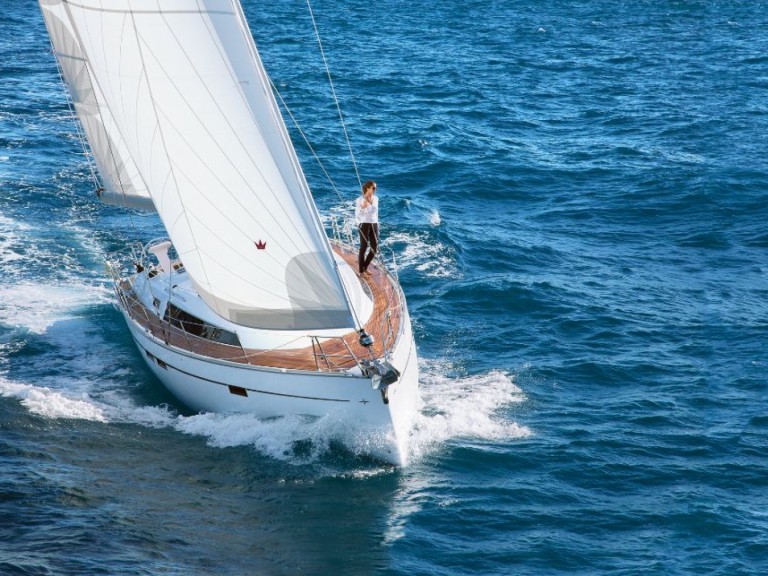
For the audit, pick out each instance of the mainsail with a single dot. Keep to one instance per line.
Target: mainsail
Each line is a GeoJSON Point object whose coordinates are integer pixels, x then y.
{"type": "Point", "coordinates": [175, 92]}
{"type": "Point", "coordinates": [122, 182]}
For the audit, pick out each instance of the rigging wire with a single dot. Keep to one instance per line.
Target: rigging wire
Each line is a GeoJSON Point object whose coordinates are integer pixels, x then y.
{"type": "Point", "coordinates": [359, 324]}
{"type": "Point", "coordinates": [88, 154]}
{"type": "Point", "coordinates": [306, 140]}
{"type": "Point", "coordinates": [377, 256]}
{"type": "Point", "coordinates": [335, 98]}
{"type": "Point", "coordinates": [78, 127]}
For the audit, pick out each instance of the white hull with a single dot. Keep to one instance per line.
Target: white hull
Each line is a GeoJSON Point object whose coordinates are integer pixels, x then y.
{"type": "Point", "coordinates": [204, 384]}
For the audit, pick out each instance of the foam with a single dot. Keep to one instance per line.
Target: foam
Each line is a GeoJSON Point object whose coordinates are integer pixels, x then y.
{"type": "Point", "coordinates": [75, 400]}
{"type": "Point", "coordinates": [450, 409]}
{"type": "Point", "coordinates": [86, 245]}
{"type": "Point", "coordinates": [52, 403]}
{"type": "Point", "coordinates": [38, 306]}
{"type": "Point", "coordinates": [10, 240]}
{"type": "Point", "coordinates": [467, 407]}
{"type": "Point", "coordinates": [292, 438]}
{"type": "Point", "coordinates": [434, 218]}
{"type": "Point", "coordinates": [25, 302]}
{"type": "Point", "coordinates": [121, 409]}
{"type": "Point", "coordinates": [431, 258]}
{"type": "Point", "coordinates": [275, 437]}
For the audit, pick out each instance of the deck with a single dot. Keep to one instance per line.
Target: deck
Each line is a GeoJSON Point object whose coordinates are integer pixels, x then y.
{"type": "Point", "coordinates": [324, 355]}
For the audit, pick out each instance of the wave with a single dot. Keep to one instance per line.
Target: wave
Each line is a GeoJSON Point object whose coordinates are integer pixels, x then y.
{"type": "Point", "coordinates": [451, 409]}
{"type": "Point", "coordinates": [465, 407]}
{"type": "Point", "coordinates": [52, 403]}
{"type": "Point", "coordinates": [421, 252]}
{"type": "Point", "coordinates": [36, 307]}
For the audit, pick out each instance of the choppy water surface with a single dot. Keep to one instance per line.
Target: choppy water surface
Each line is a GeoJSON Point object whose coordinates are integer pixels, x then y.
{"type": "Point", "coordinates": [576, 197]}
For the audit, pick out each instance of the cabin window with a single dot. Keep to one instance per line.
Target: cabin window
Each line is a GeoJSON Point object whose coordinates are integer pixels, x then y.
{"type": "Point", "coordinates": [193, 325]}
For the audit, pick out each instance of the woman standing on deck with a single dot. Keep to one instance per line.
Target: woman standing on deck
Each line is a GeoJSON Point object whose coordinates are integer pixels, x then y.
{"type": "Point", "coordinates": [367, 218]}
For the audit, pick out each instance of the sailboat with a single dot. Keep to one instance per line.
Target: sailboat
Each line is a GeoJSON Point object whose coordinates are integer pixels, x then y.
{"type": "Point", "coordinates": [249, 304]}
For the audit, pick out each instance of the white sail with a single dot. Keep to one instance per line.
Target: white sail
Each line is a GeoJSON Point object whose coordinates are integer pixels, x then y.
{"type": "Point", "coordinates": [122, 182]}
{"type": "Point", "coordinates": [182, 84]}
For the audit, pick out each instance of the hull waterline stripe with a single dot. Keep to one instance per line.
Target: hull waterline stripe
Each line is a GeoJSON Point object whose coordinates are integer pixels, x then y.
{"type": "Point", "coordinates": [154, 358]}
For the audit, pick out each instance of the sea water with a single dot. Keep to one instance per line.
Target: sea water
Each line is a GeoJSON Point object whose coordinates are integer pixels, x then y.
{"type": "Point", "coordinates": [575, 195]}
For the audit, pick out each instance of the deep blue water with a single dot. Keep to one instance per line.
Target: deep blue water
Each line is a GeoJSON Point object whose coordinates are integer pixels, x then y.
{"type": "Point", "coordinates": [577, 196]}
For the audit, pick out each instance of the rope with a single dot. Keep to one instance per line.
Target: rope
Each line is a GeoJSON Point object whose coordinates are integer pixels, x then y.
{"type": "Point", "coordinates": [306, 140]}
{"type": "Point", "coordinates": [360, 325]}
{"type": "Point", "coordinates": [79, 126]}
{"type": "Point", "coordinates": [335, 98]}
{"type": "Point", "coordinates": [341, 119]}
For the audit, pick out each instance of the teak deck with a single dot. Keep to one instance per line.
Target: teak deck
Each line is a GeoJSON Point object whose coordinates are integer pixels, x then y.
{"type": "Point", "coordinates": [327, 355]}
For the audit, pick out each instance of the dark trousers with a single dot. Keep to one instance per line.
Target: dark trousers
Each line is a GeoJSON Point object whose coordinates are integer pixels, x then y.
{"type": "Point", "coordinates": [369, 235]}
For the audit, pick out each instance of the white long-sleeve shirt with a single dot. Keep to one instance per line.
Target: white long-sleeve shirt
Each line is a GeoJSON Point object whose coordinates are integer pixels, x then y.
{"type": "Point", "coordinates": [369, 214]}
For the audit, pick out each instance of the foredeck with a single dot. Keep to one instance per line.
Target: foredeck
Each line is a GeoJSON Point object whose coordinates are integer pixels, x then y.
{"type": "Point", "coordinates": [325, 354]}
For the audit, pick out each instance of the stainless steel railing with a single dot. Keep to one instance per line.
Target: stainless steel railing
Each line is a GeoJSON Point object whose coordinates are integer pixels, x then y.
{"type": "Point", "coordinates": [184, 334]}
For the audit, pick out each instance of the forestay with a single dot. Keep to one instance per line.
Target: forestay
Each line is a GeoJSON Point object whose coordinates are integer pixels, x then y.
{"type": "Point", "coordinates": [182, 94]}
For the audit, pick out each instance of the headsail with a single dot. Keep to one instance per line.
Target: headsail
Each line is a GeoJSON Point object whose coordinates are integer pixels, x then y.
{"type": "Point", "coordinates": [183, 86]}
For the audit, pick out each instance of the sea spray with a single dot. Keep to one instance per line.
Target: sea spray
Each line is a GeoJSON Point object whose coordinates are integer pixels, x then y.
{"type": "Point", "coordinates": [423, 253]}
{"type": "Point", "coordinates": [36, 307]}
{"type": "Point", "coordinates": [463, 407]}
{"type": "Point", "coordinates": [51, 403]}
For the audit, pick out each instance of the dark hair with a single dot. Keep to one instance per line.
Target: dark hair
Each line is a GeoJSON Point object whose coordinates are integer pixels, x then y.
{"type": "Point", "coordinates": [368, 184]}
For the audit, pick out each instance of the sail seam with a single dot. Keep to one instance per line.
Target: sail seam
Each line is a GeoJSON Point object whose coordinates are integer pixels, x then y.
{"type": "Point", "coordinates": [162, 138]}
{"type": "Point", "coordinates": [213, 172]}
{"type": "Point", "coordinates": [192, 217]}
{"type": "Point", "coordinates": [143, 11]}
{"type": "Point", "coordinates": [286, 141]}
{"type": "Point", "coordinates": [292, 155]}
{"type": "Point", "coordinates": [95, 85]}
{"type": "Point", "coordinates": [234, 132]}
{"type": "Point", "coordinates": [264, 271]}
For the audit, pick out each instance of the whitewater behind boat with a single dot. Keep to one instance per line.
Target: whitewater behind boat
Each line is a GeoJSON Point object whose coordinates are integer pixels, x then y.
{"type": "Point", "coordinates": [247, 307]}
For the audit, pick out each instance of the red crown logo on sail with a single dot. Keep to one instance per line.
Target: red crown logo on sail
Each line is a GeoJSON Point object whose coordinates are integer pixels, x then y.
{"type": "Point", "coordinates": [260, 245]}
